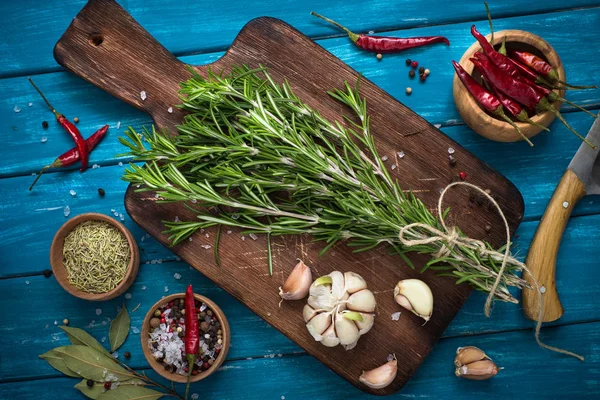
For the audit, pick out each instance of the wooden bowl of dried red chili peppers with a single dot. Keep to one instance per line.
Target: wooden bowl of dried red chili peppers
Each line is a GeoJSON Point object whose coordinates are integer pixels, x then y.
{"type": "Point", "coordinates": [167, 343]}
{"type": "Point", "coordinates": [510, 89]}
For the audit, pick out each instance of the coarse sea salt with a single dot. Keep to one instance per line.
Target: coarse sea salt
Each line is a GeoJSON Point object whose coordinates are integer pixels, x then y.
{"type": "Point", "coordinates": [384, 158]}
{"type": "Point", "coordinates": [253, 236]}
{"type": "Point", "coordinates": [72, 193]}
{"type": "Point", "coordinates": [401, 154]}
{"type": "Point", "coordinates": [127, 296]}
{"type": "Point", "coordinates": [177, 276]}
{"type": "Point", "coordinates": [396, 316]}
{"type": "Point", "coordinates": [170, 110]}
{"type": "Point", "coordinates": [66, 211]}
{"type": "Point", "coordinates": [194, 396]}
{"type": "Point", "coordinates": [30, 104]}
{"type": "Point", "coordinates": [390, 357]}
{"type": "Point", "coordinates": [118, 124]}
{"type": "Point", "coordinates": [143, 95]}
{"type": "Point", "coordinates": [135, 330]}
{"type": "Point", "coordinates": [143, 287]}
{"type": "Point", "coordinates": [98, 311]}
{"type": "Point", "coordinates": [229, 232]}
{"type": "Point", "coordinates": [95, 166]}
{"type": "Point", "coordinates": [27, 282]}
{"type": "Point", "coordinates": [17, 109]}
{"type": "Point", "coordinates": [451, 150]}
{"type": "Point", "coordinates": [166, 289]}
{"type": "Point", "coordinates": [393, 167]}
{"type": "Point", "coordinates": [103, 339]}
{"type": "Point", "coordinates": [44, 139]}
{"type": "Point", "coordinates": [120, 164]}
{"type": "Point", "coordinates": [121, 217]}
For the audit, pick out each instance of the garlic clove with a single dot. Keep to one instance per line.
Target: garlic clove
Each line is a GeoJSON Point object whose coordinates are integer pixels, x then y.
{"type": "Point", "coordinates": [308, 313]}
{"type": "Point", "coordinates": [297, 284]}
{"type": "Point", "coordinates": [366, 324]}
{"type": "Point", "coordinates": [323, 280]}
{"type": "Point", "coordinates": [362, 300]}
{"type": "Point", "coordinates": [346, 330]}
{"type": "Point", "coordinates": [329, 337]}
{"type": "Point", "coordinates": [415, 296]}
{"type": "Point", "coordinates": [469, 354]}
{"type": "Point", "coordinates": [380, 377]}
{"type": "Point", "coordinates": [350, 346]}
{"type": "Point", "coordinates": [354, 282]}
{"type": "Point", "coordinates": [478, 370]}
{"type": "Point", "coordinates": [337, 284]}
{"type": "Point", "coordinates": [318, 325]}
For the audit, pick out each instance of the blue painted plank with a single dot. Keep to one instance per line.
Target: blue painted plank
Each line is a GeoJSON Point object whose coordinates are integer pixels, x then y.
{"type": "Point", "coordinates": [25, 299]}
{"type": "Point", "coordinates": [23, 153]}
{"type": "Point", "coordinates": [191, 27]}
{"type": "Point", "coordinates": [529, 372]}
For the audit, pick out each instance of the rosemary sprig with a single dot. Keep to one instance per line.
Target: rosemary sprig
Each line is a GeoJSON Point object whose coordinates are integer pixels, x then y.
{"type": "Point", "coordinates": [272, 165]}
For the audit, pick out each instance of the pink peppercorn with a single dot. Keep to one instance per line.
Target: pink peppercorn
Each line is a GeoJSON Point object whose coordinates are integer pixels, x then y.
{"type": "Point", "coordinates": [462, 175]}
{"type": "Point", "coordinates": [414, 64]}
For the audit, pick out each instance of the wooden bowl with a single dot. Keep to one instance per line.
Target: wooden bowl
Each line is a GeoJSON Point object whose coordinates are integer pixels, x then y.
{"type": "Point", "coordinates": [479, 120]}
{"type": "Point", "coordinates": [158, 367]}
{"type": "Point", "coordinates": [60, 272]}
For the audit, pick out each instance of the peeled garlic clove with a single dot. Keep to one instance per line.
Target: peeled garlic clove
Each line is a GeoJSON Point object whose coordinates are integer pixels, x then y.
{"type": "Point", "coordinates": [329, 337]}
{"type": "Point", "coordinates": [415, 296]}
{"type": "Point", "coordinates": [380, 377]}
{"type": "Point", "coordinates": [478, 370]}
{"type": "Point", "coordinates": [366, 324]}
{"type": "Point", "coordinates": [346, 330]}
{"type": "Point", "coordinates": [350, 346]}
{"type": "Point", "coordinates": [354, 282]}
{"type": "Point", "coordinates": [297, 284]}
{"type": "Point", "coordinates": [318, 325]}
{"type": "Point", "coordinates": [469, 354]}
{"type": "Point", "coordinates": [362, 301]}
{"type": "Point", "coordinates": [337, 284]}
{"type": "Point", "coordinates": [308, 313]}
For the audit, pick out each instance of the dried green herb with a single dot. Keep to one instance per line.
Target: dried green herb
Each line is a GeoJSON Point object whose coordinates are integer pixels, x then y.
{"type": "Point", "coordinates": [119, 329]}
{"type": "Point", "coordinates": [96, 256]}
{"type": "Point", "coordinates": [271, 164]}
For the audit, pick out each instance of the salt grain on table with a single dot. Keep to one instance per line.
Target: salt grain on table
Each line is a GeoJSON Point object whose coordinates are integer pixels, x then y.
{"type": "Point", "coordinates": [27, 282]}
{"type": "Point", "coordinates": [128, 296]}
{"type": "Point", "coordinates": [396, 316]}
{"type": "Point", "coordinates": [118, 124]}
{"type": "Point", "coordinates": [115, 355]}
{"type": "Point", "coordinates": [190, 239]}
{"type": "Point", "coordinates": [17, 109]}
{"type": "Point", "coordinates": [44, 139]}
{"type": "Point", "coordinates": [121, 217]}
{"type": "Point", "coordinates": [166, 289]}
{"type": "Point", "coordinates": [451, 150]}
{"type": "Point", "coordinates": [401, 154]}
{"type": "Point", "coordinates": [393, 167]}
{"type": "Point", "coordinates": [98, 311]}
{"type": "Point", "coordinates": [194, 396]}
{"type": "Point", "coordinates": [229, 232]}
{"type": "Point", "coordinates": [390, 357]}
{"type": "Point", "coordinates": [30, 104]}
{"type": "Point", "coordinates": [243, 237]}
{"type": "Point", "coordinates": [253, 236]}
{"type": "Point", "coordinates": [55, 322]}
{"type": "Point", "coordinates": [120, 164]}
{"type": "Point", "coordinates": [72, 193]}
{"type": "Point", "coordinates": [95, 166]}
{"type": "Point", "coordinates": [384, 158]}
{"type": "Point", "coordinates": [206, 246]}
{"type": "Point", "coordinates": [170, 110]}
{"type": "Point", "coordinates": [135, 330]}
{"type": "Point", "coordinates": [143, 287]}
{"type": "Point", "coordinates": [103, 339]}
{"type": "Point", "coordinates": [177, 276]}
{"type": "Point", "coordinates": [67, 211]}
{"type": "Point", "coordinates": [438, 126]}
{"type": "Point", "coordinates": [143, 95]}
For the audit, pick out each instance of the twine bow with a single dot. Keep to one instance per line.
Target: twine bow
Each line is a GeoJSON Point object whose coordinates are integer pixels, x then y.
{"type": "Point", "coordinates": [416, 234]}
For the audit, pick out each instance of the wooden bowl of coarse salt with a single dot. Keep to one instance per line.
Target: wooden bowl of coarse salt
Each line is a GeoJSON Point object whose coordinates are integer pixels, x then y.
{"type": "Point", "coordinates": [487, 125]}
{"type": "Point", "coordinates": [94, 257]}
{"type": "Point", "coordinates": [154, 334]}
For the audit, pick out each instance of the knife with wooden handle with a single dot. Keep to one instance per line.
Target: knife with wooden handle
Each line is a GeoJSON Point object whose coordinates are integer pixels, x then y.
{"type": "Point", "coordinates": [581, 178]}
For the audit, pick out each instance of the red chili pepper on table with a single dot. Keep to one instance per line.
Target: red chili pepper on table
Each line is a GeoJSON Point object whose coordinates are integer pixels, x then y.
{"type": "Point", "coordinates": [486, 99]}
{"type": "Point", "coordinates": [518, 90]}
{"type": "Point", "coordinates": [192, 334]}
{"type": "Point", "coordinates": [70, 128]}
{"type": "Point", "coordinates": [70, 157]}
{"type": "Point", "coordinates": [541, 67]}
{"type": "Point", "coordinates": [502, 61]}
{"type": "Point", "coordinates": [515, 109]}
{"type": "Point", "coordinates": [386, 44]}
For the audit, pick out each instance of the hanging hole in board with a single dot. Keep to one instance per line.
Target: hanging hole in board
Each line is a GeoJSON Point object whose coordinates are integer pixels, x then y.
{"type": "Point", "coordinates": [96, 39]}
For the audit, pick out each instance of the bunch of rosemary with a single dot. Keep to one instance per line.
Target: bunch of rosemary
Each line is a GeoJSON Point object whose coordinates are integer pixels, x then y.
{"type": "Point", "coordinates": [268, 163]}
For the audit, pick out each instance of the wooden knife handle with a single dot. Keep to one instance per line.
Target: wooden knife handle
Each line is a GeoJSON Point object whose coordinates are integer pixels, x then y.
{"type": "Point", "coordinates": [107, 47]}
{"type": "Point", "coordinates": [541, 259]}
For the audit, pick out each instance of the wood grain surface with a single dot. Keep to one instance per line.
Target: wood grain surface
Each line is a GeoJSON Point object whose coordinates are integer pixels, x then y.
{"type": "Point", "coordinates": [105, 46]}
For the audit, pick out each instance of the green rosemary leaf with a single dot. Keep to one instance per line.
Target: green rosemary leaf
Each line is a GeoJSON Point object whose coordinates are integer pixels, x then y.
{"type": "Point", "coordinates": [269, 254]}
{"type": "Point", "coordinates": [216, 247]}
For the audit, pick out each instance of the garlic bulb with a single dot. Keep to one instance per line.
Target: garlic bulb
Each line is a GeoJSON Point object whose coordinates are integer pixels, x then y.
{"type": "Point", "coordinates": [339, 309]}
{"type": "Point", "coordinates": [415, 296]}
{"type": "Point", "coordinates": [472, 363]}
{"type": "Point", "coordinates": [380, 377]}
{"type": "Point", "coordinates": [297, 284]}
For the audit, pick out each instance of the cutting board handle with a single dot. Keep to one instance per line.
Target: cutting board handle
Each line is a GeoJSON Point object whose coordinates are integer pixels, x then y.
{"type": "Point", "coordinates": [541, 258]}
{"type": "Point", "coordinates": [107, 47]}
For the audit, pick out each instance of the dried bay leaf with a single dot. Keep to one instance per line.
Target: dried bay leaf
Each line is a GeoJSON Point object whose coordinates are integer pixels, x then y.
{"type": "Point", "coordinates": [80, 337]}
{"type": "Point", "coordinates": [124, 392]}
{"type": "Point", "coordinates": [92, 364]}
{"type": "Point", "coordinates": [95, 391]}
{"type": "Point", "coordinates": [55, 360]}
{"type": "Point", "coordinates": [119, 329]}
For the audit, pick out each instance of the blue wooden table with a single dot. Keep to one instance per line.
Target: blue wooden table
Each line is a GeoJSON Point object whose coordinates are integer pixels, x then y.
{"type": "Point", "coordinates": [263, 364]}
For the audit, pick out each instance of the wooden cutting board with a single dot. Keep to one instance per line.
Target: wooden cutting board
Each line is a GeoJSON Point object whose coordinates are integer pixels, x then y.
{"type": "Point", "coordinates": [107, 47]}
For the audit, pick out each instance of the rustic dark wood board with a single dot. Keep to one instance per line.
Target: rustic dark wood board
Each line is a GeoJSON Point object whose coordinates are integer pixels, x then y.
{"type": "Point", "coordinates": [105, 46]}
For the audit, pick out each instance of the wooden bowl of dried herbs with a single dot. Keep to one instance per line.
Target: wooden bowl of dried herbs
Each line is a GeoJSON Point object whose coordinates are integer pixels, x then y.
{"type": "Point", "coordinates": [163, 334]}
{"type": "Point", "coordinates": [94, 257]}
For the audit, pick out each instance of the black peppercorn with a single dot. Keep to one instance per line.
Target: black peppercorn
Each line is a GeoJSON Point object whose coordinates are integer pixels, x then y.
{"type": "Point", "coordinates": [408, 61]}
{"type": "Point", "coordinates": [421, 70]}
{"type": "Point", "coordinates": [47, 273]}
{"type": "Point", "coordinates": [422, 78]}
{"type": "Point", "coordinates": [90, 383]}
{"type": "Point", "coordinates": [101, 192]}
{"type": "Point", "coordinates": [411, 73]}
{"type": "Point", "coordinates": [45, 124]}
{"type": "Point", "coordinates": [127, 354]}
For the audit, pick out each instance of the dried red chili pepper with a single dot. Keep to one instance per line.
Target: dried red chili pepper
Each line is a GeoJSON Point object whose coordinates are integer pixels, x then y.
{"type": "Point", "coordinates": [541, 67]}
{"type": "Point", "coordinates": [192, 334]}
{"type": "Point", "coordinates": [515, 109]}
{"type": "Point", "coordinates": [70, 157]}
{"type": "Point", "coordinates": [70, 128]}
{"type": "Point", "coordinates": [386, 44]}
{"type": "Point", "coordinates": [502, 61]}
{"type": "Point", "coordinates": [486, 99]}
{"type": "Point", "coordinates": [519, 90]}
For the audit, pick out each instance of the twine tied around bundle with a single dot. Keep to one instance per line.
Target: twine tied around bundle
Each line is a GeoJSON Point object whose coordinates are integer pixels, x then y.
{"type": "Point", "coordinates": [450, 237]}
